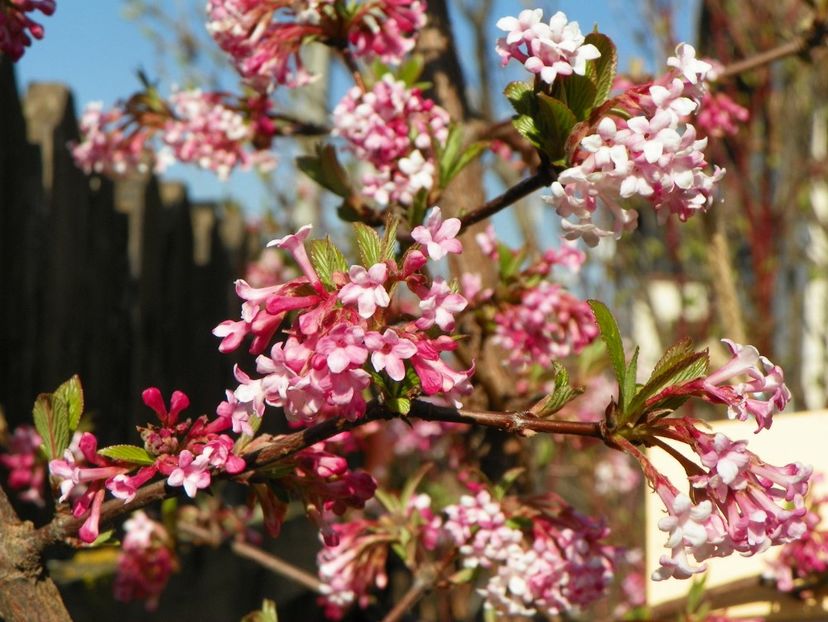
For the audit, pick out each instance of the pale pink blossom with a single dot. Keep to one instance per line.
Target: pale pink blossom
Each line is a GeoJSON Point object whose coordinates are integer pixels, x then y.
{"type": "Point", "coordinates": [439, 306]}
{"type": "Point", "coordinates": [389, 351]}
{"type": "Point", "coordinates": [437, 235]}
{"type": "Point", "coordinates": [192, 473]}
{"type": "Point", "coordinates": [366, 289]}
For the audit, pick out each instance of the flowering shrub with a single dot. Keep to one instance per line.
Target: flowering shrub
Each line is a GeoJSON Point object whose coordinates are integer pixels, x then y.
{"type": "Point", "coordinates": [372, 359]}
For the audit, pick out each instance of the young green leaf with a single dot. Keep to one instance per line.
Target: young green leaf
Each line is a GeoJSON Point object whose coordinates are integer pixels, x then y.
{"type": "Point", "coordinates": [525, 125]}
{"type": "Point", "coordinates": [522, 97]}
{"type": "Point", "coordinates": [578, 93]}
{"type": "Point", "coordinates": [560, 397]}
{"type": "Point", "coordinates": [554, 121]}
{"type": "Point", "coordinates": [327, 259]}
{"type": "Point", "coordinates": [681, 369]}
{"type": "Point", "coordinates": [51, 418]}
{"type": "Point", "coordinates": [71, 393]}
{"type": "Point", "coordinates": [389, 239]}
{"type": "Point", "coordinates": [612, 339]}
{"type": "Point", "coordinates": [128, 453]}
{"type": "Point", "coordinates": [324, 168]}
{"type": "Point", "coordinates": [628, 391]}
{"type": "Point", "coordinates": [368, 244]}
{"type": "Point", "coordinates": [602, 70]}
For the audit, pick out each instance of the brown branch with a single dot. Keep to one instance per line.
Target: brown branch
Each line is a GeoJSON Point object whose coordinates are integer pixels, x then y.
{"type": "Point", "coordinates": [257, 555]}
{"type": "Point", "coordinates": [815, 37]}
{"type": "Point", "coordinates": [291, 126]}
{"type": "Point", "coordinates": [417, 590]}
{"type": "Point", "coordinates": [523, 188]}
{"type": "Point", "coordinates": [284, 446]}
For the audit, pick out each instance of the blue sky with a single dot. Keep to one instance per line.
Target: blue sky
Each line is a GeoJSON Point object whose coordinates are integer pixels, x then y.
{"type": "Point", "coordinates": [93, 48]}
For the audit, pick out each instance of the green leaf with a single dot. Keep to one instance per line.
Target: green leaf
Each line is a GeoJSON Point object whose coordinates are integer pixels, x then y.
{"type": "Point", "coordinates": [368, 244]}
{"type": "Point", "coordinates": [52, 424]}
{"type": "Point", "coordinates": [413, 483]}
{"type": "Point", "coordinates": [578, 93]}
{"type": "Point", "coordinates": [612, 339]}
{"type": "Point", "coordinates": [678, 366]}
{"type": "Point", "coordinates": [388, 501]}
{"type": "Point", "coordinates": [449, 153]}
{"type": "Point", "coordinates": [400, 405]}
{"type": "Point", "coordinates": [525, 125]}
{"type": "Point", "coordinates": [629, 382]}
{"type": "Point", "coordinates": [522, 97]}
{"type": "Point", "coordinates": [128, 453]}
{"type": "Point", "coordinates": [410, 71]}
{"type": "Point", "coordinates": [554, 122]}
{"type": "Point", "coordinates": [471, 153]}
{"type": "Point", "coordinates": [506, 482]}
{"type": "Point", "coordinates": [602, 70]}
{"type": "Point", "coordinates": [560, 397]}
{"type": "Point", "coordinates": [509, 261]}
{"type": "Point", "coordinates": [327, 259]}
{"type": "Point", "coordinates": [266, 614]}
{"type": "Point", "coordinates": [71, 393]}
{"type": "Point", "coordinates": [324, 168]}
{"type": "Point", "coordinates": [462, 576]}
{"type": "Point", "coordinates": [389, 239]}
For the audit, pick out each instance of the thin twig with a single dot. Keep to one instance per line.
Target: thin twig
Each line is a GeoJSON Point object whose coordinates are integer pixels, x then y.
{"type": "Point", "coordinates": [812, 39]}
{"type": "Point", "coordinates": [258, 555]}
{"type": "Point", "coordinates": [417, 590]}
{"type": "Point", "coordinates": [515, 193]}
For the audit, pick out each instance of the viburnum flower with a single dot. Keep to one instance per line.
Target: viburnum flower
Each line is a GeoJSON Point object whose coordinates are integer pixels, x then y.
{"type": "Point", "coordinates": [192, 473]}
{"type": "Point", "coordinates": [548, 50]}
{"type": "Point", "coordinates": [437, 235]}
{"type": "Point", "coordinates": [388, 351]}
{"type": "Point", "coordinates": [27, 470]}
{"type": "Point", "coordinates": [145, 562]}
{"type": "Point", "coordinates": [366, 289]}
{"type": "Point", "coordinates": [439, 306]}
{"type": "Point", "coordinates": [762, 395]}
{"type": "Point", "coordinates": [17, 29]}
{"type": "Point", "coordinates": [653, 153]}
{"type": "Point", "coordinates": [805, 557]}
{"type": "Point", "coordinates": [110, 144]}
{"type": "Point", "coordinates": [392, 127]}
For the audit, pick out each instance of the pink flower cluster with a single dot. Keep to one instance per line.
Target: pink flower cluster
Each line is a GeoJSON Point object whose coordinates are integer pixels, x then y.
{"type": "Point", "coordinates": [739, 504]}
{"type": "Point", "coordinates": [17, 28]}
{"type": "Point", "coordinates": [719, 115]}
{"type": "Point", "coordinates": [187, 452]}
{"type": "Point", "coordinates": [110, 143]}
{"type": "Point", "coordinates": [145, 563]}
{"type": "Point", "coordinates": [203, 130]}
{"type": "Point", "coordinates": [562, 565]}
{"type": "Point", "coordinates": [355, 565]}
{"type": "Point", "coordinates": [541, 322]}
{"type": "Point", "coordinates": [27, 471]}
{"type": "Point", "coordinates": [392, 127]}
{"type": "Point", "coordinates": [804, 557]}
{"type": "Point", "coordinates": [193, 127]}
{"type": "Point", "coordinates": [653, 153]}
{"type": "Point", "coordinates": [761, 395]}
{"type": "Point", "coordinates": [547, 50]}
{"type": "Point", "coordinates": [339, 332]}
{"type": "Point", "coordinates": [264, 39]}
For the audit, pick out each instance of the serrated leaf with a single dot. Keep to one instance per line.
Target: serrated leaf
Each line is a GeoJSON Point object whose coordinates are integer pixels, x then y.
{"type": "Point", "coordinates": [71, 392]}
{"type": "Point", "coordinates": [400, 405]}
{"type": "Point", "coordinates": [554, 122]}
{"type": "Point", "coordinates": [682, 369]}
{"type": "Point", "coordinates": [628, 391]}
{"type": "Point", "coordinates": [327, 259]}
{"type": "Point", "coordinates": [560, 397]}
{"type": "Point", "coordinates": [52, 424]}
{"type": "Point", "coordinates": [368, 244]}
{"type": "Point", "coordinates": [389, 239]}
{"type": "Point", "coordinates": [612, 340]}
{"type": "Point", "coordinates": [525, 125]}
{"type": "Point", "coordinates": [679, 350]}
{"type": "Point", "coordinates": [578, 93]}
{"type": "Point", "coordinates": [522, 97]}
{"type": "Point", "coordinates": [602, 70]}
{"type": "Point", "coordinates": [128, 453]}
